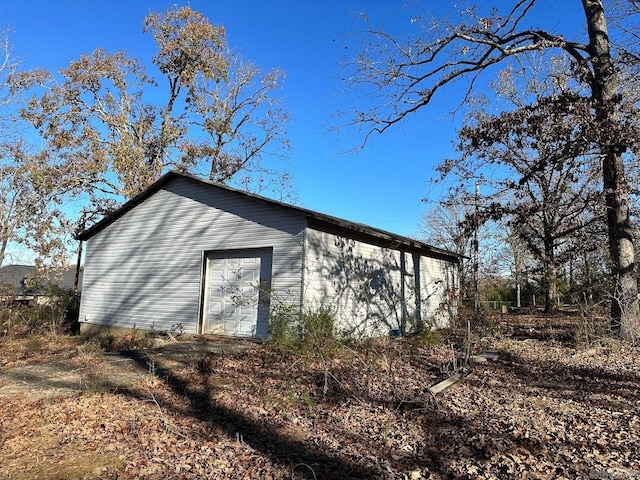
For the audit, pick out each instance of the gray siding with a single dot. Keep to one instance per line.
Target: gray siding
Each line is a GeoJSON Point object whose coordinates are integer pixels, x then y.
{"type": "Point", "coordinates": [145, 269]}
{"type": "Point", "coordinates": [373, 289]}
{"type": "Point", "coordinates": [438, 291]}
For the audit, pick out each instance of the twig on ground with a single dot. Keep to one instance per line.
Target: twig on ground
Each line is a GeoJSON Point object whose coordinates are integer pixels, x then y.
{"type": "Point", "coordinates": [163, 420]}
{"type": "Point", "coordinates": [302, 465]}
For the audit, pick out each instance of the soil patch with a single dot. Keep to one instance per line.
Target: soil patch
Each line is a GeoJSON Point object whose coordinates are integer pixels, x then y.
{"type": "Point", "coordinates": [72, 370]}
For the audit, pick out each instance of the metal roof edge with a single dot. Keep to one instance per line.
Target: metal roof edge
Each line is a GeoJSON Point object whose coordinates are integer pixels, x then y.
{"type": "Point", "coordinates": [321, 217]}
{"type": "Point", "coordinates": [107, 220]}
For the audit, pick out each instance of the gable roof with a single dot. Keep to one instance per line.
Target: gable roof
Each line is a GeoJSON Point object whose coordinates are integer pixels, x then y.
{"type": "Point", "coordinates": [313, 218]}
{"type": "Point", "coordinates": [14, 277]}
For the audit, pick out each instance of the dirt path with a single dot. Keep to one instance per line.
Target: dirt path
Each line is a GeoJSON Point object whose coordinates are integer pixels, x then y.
{"type": "Point", "coordinates": [59, 378]}
{"type": "Point", "coordinates": [70, 371]}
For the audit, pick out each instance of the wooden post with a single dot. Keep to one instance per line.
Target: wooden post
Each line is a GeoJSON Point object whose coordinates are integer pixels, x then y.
{"type": "Point", "coordinates": [76, 279]}
{"type": "Point", "coordinates": [476, 256]}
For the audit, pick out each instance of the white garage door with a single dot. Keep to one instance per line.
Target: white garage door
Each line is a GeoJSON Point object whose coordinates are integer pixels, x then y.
{"type": "Point", "coordinates": [233, 304]}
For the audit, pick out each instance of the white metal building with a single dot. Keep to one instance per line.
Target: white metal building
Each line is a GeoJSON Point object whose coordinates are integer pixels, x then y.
{"type": "Point", "coordinates": [211, 259]}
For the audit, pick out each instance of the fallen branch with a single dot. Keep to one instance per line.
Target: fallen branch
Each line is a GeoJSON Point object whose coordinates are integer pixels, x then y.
{"type": "Point", "coordinates": [433, 390]}
{"type": "Point", "coordinates": [163, 420]}
{"type": "Point", "coordinates": [443, 385]}
{"type": "Point", "coordinates": [303, 465]}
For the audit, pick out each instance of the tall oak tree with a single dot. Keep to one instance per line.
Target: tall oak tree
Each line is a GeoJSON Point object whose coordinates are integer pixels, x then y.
{"type": "Point", "coordinates": [119, 126]}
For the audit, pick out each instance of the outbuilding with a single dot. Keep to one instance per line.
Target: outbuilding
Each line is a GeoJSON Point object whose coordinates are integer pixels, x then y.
{"type": "Point", "coordinates": [202, 257]}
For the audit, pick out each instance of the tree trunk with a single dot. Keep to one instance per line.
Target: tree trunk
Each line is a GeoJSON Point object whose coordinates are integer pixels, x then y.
{"type": "Point", "coordinates": [76, 278]}
{"type": "Point", "coordinates": [624, 301]}
{"type": "Point", "coordinates": [550, 277]}
{"type": "Point", "coordinates": [550, 303]}
{"type": "Point", "coordinates": [3, 250]}
{"type": "Point", "coordinates": [588, 288]}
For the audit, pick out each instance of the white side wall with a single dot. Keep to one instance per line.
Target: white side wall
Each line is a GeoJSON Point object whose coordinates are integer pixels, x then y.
{"type": "Point", "coordinates": [439, 290]}
{"type": "Point", "coordinates": [363, 283]}
{"type": "Point", "coordinates": [145, 269]}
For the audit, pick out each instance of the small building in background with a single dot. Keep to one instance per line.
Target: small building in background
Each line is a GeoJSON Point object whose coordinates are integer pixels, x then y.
{"type": "Point", "coordinates": [19, 284]}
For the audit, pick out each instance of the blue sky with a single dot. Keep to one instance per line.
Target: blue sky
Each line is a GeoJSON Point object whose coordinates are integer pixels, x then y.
{"type": "Point", "coordinates": [382, 185]}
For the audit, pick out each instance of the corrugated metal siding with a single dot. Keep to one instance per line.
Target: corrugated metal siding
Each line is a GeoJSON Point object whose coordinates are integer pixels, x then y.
{"type": "Point", "coordinates": [363, 283]}
{"type": "Point", "coordinates": [144, 270]}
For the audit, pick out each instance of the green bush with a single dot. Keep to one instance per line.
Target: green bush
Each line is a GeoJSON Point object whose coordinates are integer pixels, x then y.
{"type": "Point", "coordinates": [317, 325]}
{"type": "Point", "coordinates": [430, 338]}
{"type": "Point", "coordinates": [283, 333]}
{"type": "Point", "coordinates": [64, 309]}
{"type": "Point", "coordinates": [303, 332]}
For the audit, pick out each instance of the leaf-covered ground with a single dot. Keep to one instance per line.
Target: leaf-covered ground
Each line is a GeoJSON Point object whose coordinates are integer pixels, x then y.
{"type": "Point", "coordinates": [542, 409]}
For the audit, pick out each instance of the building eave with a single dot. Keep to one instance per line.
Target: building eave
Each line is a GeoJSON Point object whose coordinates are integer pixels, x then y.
{"type": "Point", "coordinates": [317, 219]}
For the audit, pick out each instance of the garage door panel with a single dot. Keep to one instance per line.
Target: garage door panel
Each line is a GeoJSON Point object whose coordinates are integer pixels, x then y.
{"type": "Point", "coordinates": [249, 275]}
{"type": "Point", "coordinates": [216, 292]}
{"type": "Point", "coordinates": [215, 308]}
{"type": "Point", "coordinates": [232, 303]}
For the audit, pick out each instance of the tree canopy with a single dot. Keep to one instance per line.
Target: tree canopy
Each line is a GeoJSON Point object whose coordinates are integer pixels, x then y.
{"type": "Point", "coordinates": [119, 127]}
{"type": "Point", "coordinates": [539, 164]}
{"type": "Point", "coordinates": [76, 143]}
{"type": "Point", "coordinates": [30, 214]}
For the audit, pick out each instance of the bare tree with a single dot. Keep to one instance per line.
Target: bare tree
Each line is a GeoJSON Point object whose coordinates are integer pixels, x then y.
{"type": "Point", "coordinates": [7, 66]}
{"type": "Point", "coordinates": [446, 226]}
{"type": "Point", "coordinates": [540, 161]}
{"type": "Point", "coordinates": [405, 76]}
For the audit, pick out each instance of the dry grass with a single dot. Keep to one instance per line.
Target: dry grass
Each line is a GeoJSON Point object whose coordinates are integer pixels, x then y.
{"type": "Point", "coordinates": [51, 459]}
